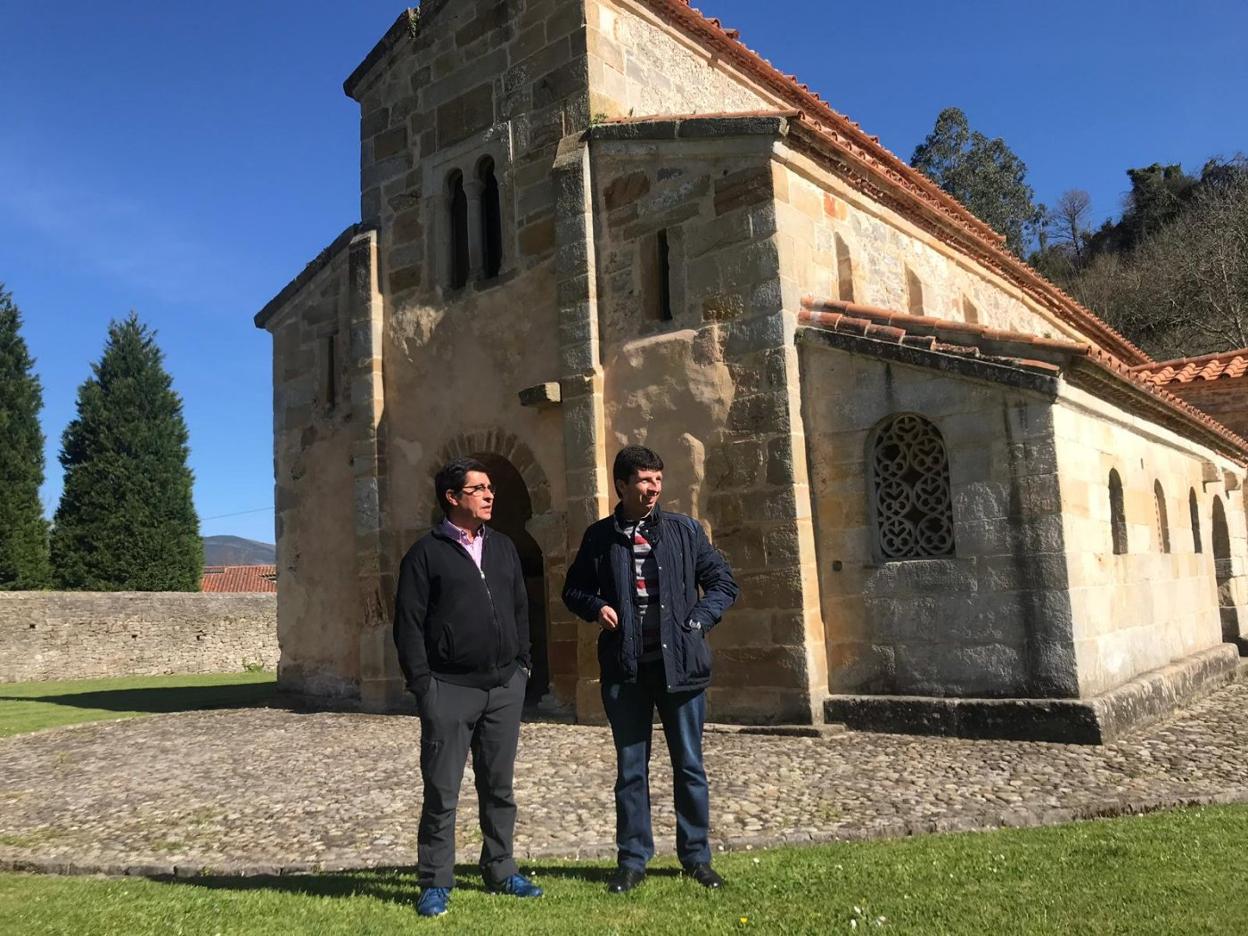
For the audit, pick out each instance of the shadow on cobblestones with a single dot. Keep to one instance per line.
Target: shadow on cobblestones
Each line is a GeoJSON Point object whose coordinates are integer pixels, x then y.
{"type": "Point", "coordinates": [163, 700]}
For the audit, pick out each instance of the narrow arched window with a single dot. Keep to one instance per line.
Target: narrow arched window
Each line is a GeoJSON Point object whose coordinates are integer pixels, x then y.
{"type": "Point", "coordinates": [458, 201]}
{"type": "Point", "coordinates": [1194, 509]}
{"type": "Point", "coordinates": [970, 314]}
{"type": "Point", "coordinates": [1163, 521]}
{"type": "Point", "coordinates": [911, 502]}
{"type": "Point", "coordinates": [491, 220]}
{"type": "Point", "coordinates": [1221, 534]}
{"type": "Point", "coordinates": [844, 270]}
{"type": "Point", "coordinates": [1117, 513]}
{"type": "Point", "coordinates": [914, 293]}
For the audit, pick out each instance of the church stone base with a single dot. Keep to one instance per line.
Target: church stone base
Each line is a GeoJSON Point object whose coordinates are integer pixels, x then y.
{"type": "Point", "coordinates": [1096, 720]}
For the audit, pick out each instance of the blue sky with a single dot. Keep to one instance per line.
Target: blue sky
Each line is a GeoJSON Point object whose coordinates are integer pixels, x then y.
{"type": "Point", "coordinates": [187, 161]}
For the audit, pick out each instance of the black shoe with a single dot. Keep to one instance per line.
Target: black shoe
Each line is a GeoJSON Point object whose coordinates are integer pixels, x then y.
{"type": "Point", "coordinates": [705, 875]}
{"type": "Point", "coordinates": [624, 880]}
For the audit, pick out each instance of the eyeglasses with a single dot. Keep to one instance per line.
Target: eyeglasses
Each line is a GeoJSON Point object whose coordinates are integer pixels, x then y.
{"type": "Point", "coordinates": [477, 489]}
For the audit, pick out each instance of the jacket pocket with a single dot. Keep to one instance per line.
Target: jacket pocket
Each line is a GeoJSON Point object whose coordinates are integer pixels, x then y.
{"type": "Point", "coordinates": [697, 652]}
{"type": "Point", "coordinates": [446, 647]}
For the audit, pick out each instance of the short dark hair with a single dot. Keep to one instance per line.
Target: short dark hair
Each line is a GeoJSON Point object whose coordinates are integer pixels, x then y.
{"type": "Point", "coordinates": [451, 477]}
{"type": "Point", "coordinates": [635, 458]}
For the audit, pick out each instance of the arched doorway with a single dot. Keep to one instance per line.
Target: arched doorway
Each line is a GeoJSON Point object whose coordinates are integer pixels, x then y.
{"type": "Point", "coordinates": [512, 510]}
{"type": "Point", "coordinates": [1222, 571]}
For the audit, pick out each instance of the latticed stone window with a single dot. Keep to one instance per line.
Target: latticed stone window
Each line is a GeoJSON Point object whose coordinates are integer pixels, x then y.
{"type": "Point", "coordinates": [912, 506]}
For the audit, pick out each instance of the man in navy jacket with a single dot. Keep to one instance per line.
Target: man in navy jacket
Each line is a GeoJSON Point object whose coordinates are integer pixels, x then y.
{"type": "Point", "coordinates": [638, 574]}
{"type": "Point", "coordinates": [461, 626]}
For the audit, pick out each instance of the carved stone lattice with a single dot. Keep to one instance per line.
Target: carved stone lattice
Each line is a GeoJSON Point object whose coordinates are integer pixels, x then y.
{"type": "Point", "coordinates": [913, 508]}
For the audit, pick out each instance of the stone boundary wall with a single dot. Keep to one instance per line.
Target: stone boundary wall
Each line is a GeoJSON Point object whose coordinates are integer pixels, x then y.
{"type": "Point", "coordinates": [83, 635]}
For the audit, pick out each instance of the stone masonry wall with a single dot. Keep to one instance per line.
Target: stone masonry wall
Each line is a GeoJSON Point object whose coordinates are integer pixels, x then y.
{"type": "Point", "coordinates": [994, 618]}
{"type": "Point", "coordinates": [1141, 610]}
{"type": "Point", "coordinates": [478, 78]}
{"type": "Point", "coordinates": [877, 249]}
{"type": "Point", "coordinates": [84, 635]}
{"type": "Point", "coordinates": [639, 66]}
{"type": "Point", "coordinates": [319, 608]}
{"type": "Point", "coordinates": [709, 388]}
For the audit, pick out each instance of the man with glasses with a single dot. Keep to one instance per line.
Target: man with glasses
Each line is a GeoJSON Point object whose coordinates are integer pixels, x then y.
{"type": "Point", "coordinates": [461, 624]}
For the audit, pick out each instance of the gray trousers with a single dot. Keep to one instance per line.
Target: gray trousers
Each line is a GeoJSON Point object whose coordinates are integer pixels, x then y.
{"type": "Point", "coordinates": [453, 720]}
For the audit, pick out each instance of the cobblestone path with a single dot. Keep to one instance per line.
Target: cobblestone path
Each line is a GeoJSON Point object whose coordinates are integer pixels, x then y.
{"type": "Point", "coordinates": [267, 790]}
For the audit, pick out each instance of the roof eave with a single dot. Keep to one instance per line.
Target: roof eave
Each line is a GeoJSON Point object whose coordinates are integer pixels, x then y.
{"type": "Point", "coordinates": [318, 263]}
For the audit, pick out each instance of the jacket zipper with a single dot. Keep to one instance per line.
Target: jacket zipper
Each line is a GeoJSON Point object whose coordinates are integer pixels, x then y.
{"type": "Point", "coordinates": [498, 628]}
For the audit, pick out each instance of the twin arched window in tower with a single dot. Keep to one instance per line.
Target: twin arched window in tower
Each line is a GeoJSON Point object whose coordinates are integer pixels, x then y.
{"type": "Point", "coordinates": [475, 225]}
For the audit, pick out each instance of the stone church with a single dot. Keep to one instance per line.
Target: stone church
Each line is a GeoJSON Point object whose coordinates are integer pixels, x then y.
{"type": "Point", "coordinates": [955, 499]}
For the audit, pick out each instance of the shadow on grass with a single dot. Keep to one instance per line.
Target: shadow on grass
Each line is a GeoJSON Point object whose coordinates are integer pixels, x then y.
{"type": "Point", "coordinates": [396, 885]}
{"type": "Point", "coordinates": [160, 700]}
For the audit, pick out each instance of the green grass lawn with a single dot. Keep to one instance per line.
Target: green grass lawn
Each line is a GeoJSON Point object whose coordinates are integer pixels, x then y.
{"type": "Point", "coordinates": [35, 705]}
{"type": "Point", "coordinates": [1175, 872]}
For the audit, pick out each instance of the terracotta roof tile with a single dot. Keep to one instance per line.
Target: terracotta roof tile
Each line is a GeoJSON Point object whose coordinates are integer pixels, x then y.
{"type": "Point", "coordinates": [1051, 355]}
{"type": "Point", "coordinates": [1228, 365]}
{"type": "Point", "coordinates": [847, 138]}
{"type": "Point", "coordinates": [239, 578]}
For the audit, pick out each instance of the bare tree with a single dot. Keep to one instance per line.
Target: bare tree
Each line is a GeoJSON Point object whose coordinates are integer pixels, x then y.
{"type": "Point", "coordinates": [1067, 221]}
{"type": "Point", "coordinates": [1184, 289]}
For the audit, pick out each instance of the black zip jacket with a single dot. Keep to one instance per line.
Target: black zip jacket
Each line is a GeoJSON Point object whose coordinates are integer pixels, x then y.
{"type": "Point", "coordinates": [602, 574]}
{"type": "Point", "coordinates": [464, 625]}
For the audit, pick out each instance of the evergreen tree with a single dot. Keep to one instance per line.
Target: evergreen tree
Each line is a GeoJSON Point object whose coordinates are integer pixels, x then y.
{"type": "Point", "coordinates": [23, 531]}
{"type": "Point", "coordinates": [984, 175]}
{"type": "Point", "coordinates": [126, 520]}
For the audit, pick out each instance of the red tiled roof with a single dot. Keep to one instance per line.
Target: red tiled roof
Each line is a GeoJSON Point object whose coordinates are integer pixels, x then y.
{"type": "Point", "coordinates": [239, 578]}
{"type": "Point", "coordinates": [1226, 365]}
{"type": "Point", "coordinates": [834, 130]}
{"type": "Point", "coordinates": [1029, 351]}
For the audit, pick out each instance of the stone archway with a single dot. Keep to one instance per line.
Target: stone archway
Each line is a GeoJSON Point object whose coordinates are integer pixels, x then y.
{"type": "Point", "coordinates": [523, 512]}
{"type": "Point", "coordinates": [1223, 571]}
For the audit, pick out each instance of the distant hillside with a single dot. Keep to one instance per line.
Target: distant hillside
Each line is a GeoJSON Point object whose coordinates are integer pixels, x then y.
{"type": "Point", "coordinates": [234, 550]}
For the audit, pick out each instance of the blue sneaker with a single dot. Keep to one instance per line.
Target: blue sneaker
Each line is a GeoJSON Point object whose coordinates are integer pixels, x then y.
{"type": "Point", "coordinates": [433, 901]}
{"type": "Point", "coordinates": [517, 886]}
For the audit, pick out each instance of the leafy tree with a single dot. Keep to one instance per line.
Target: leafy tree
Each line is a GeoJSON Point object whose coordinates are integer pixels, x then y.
{"type": "Point", "coordinates": [1159, 194]}
{"type": "Point", "coordinates": [1183, 288]}
{"type": "Point", "coordinates": [23, 531]}
{"type": "Point", "coordinates": [984, 175]}
{"type": "Point", "coordinates": [126, 520]}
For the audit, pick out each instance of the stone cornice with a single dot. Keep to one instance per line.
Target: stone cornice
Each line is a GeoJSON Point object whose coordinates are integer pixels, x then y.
{"type": "Point", "coordinates": [405, 27]}
{"type": "Point", "coordinates": [1082, 365]}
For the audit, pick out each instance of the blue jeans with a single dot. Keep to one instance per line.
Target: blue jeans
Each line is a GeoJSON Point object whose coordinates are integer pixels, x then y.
{"type": "Point", "coordinates": [630, 710]}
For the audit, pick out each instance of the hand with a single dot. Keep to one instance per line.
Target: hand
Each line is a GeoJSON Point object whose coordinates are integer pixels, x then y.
{"type": "Point", "coordinates": [608, 618]}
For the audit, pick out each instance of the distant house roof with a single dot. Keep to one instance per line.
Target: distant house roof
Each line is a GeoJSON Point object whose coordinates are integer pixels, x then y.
{"type": "Point", "coordinates": [1226, 365]}
{"type": "Point", "coordinates": [239, 578]}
